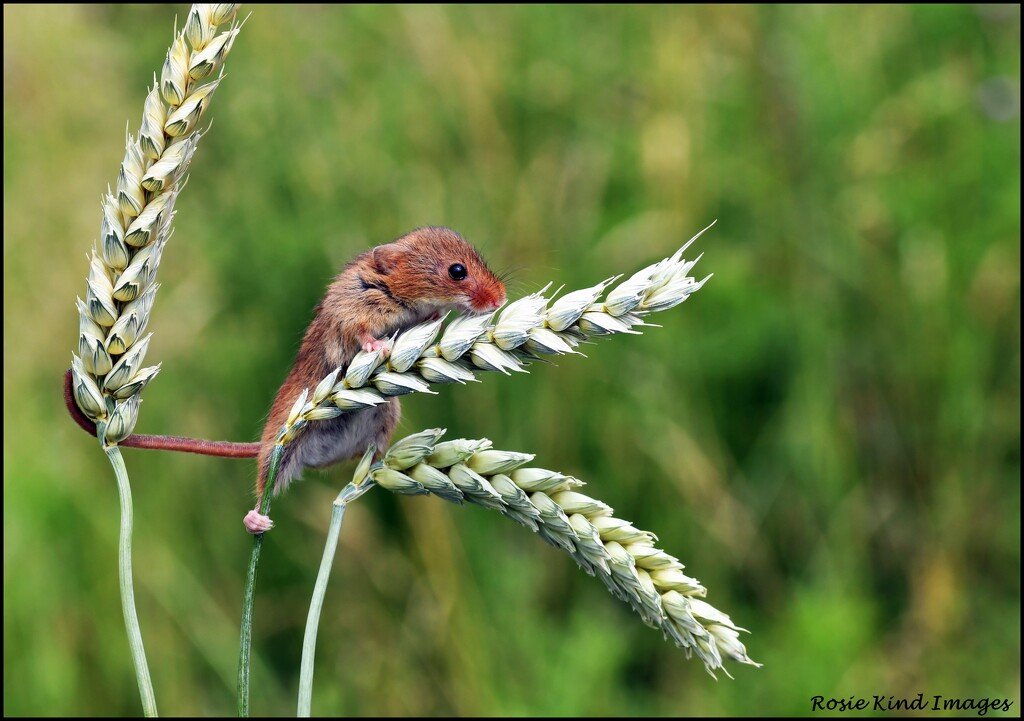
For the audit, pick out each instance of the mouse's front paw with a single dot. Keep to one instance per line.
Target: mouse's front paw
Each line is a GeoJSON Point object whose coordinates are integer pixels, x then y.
{"type": "Point", "coordinates": [256, 523]}
{"type": "Point", "coordinates": [372, 345]}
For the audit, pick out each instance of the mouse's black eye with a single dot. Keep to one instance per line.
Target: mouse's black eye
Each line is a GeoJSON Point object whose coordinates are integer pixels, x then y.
{"type": "Point", "coordinates": [457, 271]}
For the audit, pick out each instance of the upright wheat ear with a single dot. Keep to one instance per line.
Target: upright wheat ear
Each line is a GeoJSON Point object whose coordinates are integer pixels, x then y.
{"type": "Point", "coordinates": [108, 370]}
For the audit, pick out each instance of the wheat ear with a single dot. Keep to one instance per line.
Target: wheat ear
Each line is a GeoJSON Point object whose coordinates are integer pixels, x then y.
{"type": "Point", "coordinates": [525, 331]}
{"type": "Point", "coordinates": [107, 372]}
{"type": "Point", "coordinates": [548, 503]}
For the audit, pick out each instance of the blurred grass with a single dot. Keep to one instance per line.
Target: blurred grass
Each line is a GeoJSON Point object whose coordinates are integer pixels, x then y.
{"type": "Point", "coordinates": [827, 434]}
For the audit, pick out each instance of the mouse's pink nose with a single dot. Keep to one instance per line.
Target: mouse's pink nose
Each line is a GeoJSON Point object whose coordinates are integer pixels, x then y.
{"type": "Point", "coordinates": [496, 302]}
{"type": "Point", "coordinates": [488, 300]}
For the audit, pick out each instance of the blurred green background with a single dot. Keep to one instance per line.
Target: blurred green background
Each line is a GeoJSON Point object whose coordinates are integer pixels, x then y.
{"type": "Point", "coordinates": [827, 434]}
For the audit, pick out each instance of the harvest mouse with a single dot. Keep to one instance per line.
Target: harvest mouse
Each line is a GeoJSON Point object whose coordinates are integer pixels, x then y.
{"type": "Point", "coordinates": [386, 289]}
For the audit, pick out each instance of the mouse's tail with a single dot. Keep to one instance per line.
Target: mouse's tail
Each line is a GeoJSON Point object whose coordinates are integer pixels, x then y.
{"type": "Point", "coordinates": [226, 449]}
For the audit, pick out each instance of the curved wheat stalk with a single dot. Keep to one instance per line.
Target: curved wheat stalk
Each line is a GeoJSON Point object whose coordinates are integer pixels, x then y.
{"type": "Point", "coordinates": [550, 504]}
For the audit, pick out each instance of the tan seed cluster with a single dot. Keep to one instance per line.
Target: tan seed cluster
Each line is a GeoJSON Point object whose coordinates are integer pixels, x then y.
{"type": "Point", "coordinates": [108, 375]}
{"type": "Point", "coordinates": [624, 557]}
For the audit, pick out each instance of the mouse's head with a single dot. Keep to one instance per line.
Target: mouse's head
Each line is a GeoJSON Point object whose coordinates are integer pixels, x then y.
{"type": "Point", "coordinates": [435, 266]}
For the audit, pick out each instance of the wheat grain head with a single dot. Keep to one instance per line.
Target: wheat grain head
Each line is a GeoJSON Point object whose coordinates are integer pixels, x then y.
{"type": "Point", "coordinates": [108, 373]}
{"type": "Point", "coordinates": [624, 557]}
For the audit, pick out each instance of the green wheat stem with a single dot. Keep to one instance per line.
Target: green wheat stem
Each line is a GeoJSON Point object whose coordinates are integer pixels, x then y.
{"type": "Point", "coordinates": [315, 608]}
{"type": "Point", "coordinates": [245, 636]}
{"type": "Point", "coordinates": [131, 618]}
{"type": "Point", "coordinates": [360, 484]}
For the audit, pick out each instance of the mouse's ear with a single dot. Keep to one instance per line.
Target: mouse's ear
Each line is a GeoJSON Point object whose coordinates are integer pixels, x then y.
{"type": "Point", "coordinates": [385, 258]}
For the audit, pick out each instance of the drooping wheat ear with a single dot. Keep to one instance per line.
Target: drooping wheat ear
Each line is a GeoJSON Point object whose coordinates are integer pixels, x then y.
{"type": "Point", "coordinates": [107, 371]}
{"type": "Point", "coordinates": [625, 558]}
{"type": "Point", "coordinates": [525, 331]}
